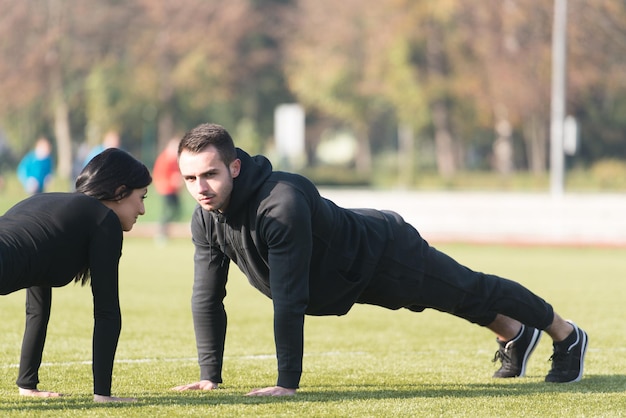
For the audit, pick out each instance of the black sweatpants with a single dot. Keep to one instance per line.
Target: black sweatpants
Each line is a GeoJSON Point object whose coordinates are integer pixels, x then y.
{"type": "Point", "coordinates": [413, 275]}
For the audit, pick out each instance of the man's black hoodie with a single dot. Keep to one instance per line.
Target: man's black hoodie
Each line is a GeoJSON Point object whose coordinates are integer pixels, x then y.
{"type": "Point", "coordinates": [304, 252]}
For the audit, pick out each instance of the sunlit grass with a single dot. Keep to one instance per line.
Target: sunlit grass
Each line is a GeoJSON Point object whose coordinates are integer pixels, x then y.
{"type": "Point", "coordinates": [369, 363]}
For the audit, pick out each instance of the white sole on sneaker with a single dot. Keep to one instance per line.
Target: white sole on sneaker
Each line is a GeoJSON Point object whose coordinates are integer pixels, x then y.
{"type": "Point", "coordinates": [529, 350]}
{"type": "Point", "coordinates": [582, 335]}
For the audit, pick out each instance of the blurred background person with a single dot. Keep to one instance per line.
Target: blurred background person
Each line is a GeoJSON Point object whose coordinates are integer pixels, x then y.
{"type": "Point", "coordinates": [168, 183]}
{"type": "Point", "coordinates": [6, 158]}
{"type": "Point", "coordinates": [111, 140]}
{"type": "Point", "coordinates": [84, 152]}
{"type": "Point", "coordinates": [35, 169]}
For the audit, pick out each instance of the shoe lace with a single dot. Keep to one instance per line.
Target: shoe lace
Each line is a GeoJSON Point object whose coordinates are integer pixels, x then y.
{"type": "Point", "coordinates": [559, 360]}
{"type": "Point", "coordinates": [501, 354]}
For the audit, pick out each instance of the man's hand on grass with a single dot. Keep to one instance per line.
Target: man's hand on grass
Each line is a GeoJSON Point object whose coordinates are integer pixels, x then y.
{"type": "Point", "coordinates": [272, 391]}
{"type": "Point", "coordinates": [201, 385]}
{"type": "Point", "coordinates": [104, 399]}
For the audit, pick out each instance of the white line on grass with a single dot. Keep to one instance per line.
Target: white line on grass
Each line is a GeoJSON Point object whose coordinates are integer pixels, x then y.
{"type": "Point", "coordinates": [262, 357]}
{"type": "Point", "coordinates": [185, 359]}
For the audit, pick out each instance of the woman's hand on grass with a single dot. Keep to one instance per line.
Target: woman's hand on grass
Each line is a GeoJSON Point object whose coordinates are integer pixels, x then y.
{"type": "Point", "coordinates": [103, 399]}
{"type": "Point", "coordinates": [39, 393]}
{"type": "Point", "coordinates": [201, 385]}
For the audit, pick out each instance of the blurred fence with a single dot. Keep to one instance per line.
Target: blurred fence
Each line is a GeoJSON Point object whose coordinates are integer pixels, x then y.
{"type": "Point", "coordinates": [516, 218]}
{"type": "Point", "coordinates": [474, 217]}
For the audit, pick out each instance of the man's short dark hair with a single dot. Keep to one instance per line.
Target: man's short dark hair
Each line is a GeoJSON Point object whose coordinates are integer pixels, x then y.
{"type": "Point", "coordinates": [207, 134]}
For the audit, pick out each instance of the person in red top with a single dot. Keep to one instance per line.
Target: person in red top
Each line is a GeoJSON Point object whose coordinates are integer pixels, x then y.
{"type": "Point", "coordinates": [168, 182]}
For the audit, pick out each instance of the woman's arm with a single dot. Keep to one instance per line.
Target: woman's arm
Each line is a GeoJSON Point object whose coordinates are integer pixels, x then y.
{"type": "Point", "coordinates": [104, 254]}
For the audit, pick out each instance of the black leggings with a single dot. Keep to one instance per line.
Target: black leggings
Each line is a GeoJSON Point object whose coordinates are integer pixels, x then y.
{"type": "Point", "coordinates": [38, 302]}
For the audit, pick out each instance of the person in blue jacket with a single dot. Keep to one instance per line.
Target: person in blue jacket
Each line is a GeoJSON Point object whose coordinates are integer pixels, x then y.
{"type": "Point", "coordinates": [312, 257]}
{"type": "Point", "coordinates": [35, 169]}
{"type": "Point", "coordinates": [51, 239]}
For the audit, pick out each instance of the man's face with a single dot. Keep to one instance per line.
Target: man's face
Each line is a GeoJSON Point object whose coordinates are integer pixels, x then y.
{"type": "Point", "coordinates": [208, 178]}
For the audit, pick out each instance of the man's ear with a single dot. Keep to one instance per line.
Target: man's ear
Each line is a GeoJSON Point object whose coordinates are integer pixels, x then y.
{"type": "Point", "coordinates": [235, 168]}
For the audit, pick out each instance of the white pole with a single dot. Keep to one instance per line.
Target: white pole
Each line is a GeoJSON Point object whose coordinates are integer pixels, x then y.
{"type": "Point", "coordinates": [557, 159]}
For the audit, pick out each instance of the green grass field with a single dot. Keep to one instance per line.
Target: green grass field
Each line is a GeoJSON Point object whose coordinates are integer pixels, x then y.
{"type": "Point", "coordinates": [370, 363]}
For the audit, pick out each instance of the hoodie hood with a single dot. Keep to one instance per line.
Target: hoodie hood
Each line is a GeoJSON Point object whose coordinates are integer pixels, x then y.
{"type": "Point", "coordinates": [253, 173]}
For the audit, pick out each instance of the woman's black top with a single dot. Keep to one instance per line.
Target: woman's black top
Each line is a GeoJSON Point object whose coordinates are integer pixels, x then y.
{"type": "Point", "coordinates": [45, 241]}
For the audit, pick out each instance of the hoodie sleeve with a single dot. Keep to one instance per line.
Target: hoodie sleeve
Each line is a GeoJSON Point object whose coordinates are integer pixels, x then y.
{"type": "Point", "coordinates": [207, 301]}
{"type": "Point", "coordinates": [287, 231]}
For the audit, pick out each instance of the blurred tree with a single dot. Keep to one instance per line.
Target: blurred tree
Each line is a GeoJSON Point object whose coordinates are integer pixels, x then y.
{"type": "Point", "coordinates": [45, 55]}
{"type": "Point", "coordinates": [106, 81]}
{"type": "Point", "coordinates": [32, 66]}
{"type": "Point", "coordinates": [332, 62]}
{"type": "Point", "coordinates": [184, 53]}
{"type": "Point", "coordinates": [365, 58]}
{"type": "Point", "coordinates": [440, 70]}
{"type": "Point", "coordinates": [597, 77]}
{"type": "Point", "coordinates": [510, 41]}
{"type": "Point", "coordinates": [472, 77]}
{"type": "Point", "coordinates": [406, 92]}
{"type": "Point", "coordinates": [261, 83]}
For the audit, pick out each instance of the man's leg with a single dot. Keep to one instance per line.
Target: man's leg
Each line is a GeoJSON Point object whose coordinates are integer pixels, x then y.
{"type": "Point", "coordinates": [516, 342]}
{"type": "Point", "coordinates": [416, 276]}
{"type": "Point", "coordinates": [517, 337]}
{"type": "Point", "coordinates": [507, 328]}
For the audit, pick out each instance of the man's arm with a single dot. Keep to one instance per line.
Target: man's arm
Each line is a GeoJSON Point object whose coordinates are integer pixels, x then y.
{"type": "Point", "coordinates": [288, 233]}
{"type": "Point", "coordinates": [209, 316]}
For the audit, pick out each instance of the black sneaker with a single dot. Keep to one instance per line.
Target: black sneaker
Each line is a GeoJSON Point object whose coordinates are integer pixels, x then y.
{"type": "Point", "coordinates": [569, 357]}
{"type": "Point", "coordinates": [514, 354]}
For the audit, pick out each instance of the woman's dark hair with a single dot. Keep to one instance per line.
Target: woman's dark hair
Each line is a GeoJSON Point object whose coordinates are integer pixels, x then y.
{"type": "Point", "coordinates": [207, 134]}
{"type": "Point", "coordinates": [111, 175]}
{"type": "Point", "coordinates": [108, 171]}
